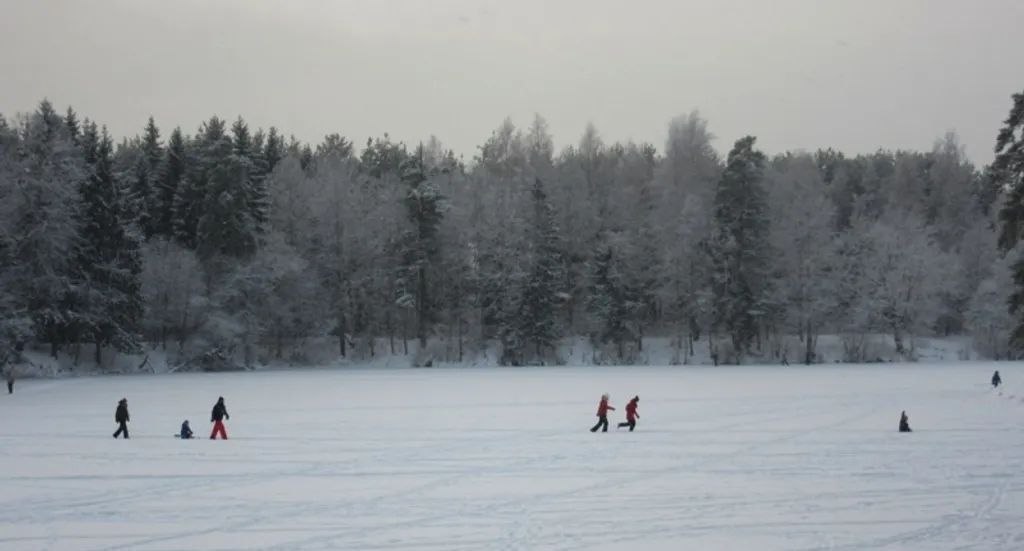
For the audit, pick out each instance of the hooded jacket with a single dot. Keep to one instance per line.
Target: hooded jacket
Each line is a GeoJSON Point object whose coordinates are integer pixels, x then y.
{"type": "Point", "coordinates": [121, 415]}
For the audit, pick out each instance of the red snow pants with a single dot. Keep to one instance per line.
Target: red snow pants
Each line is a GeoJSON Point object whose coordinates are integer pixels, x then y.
{"type": "Point", "coordinates": [218, 427]}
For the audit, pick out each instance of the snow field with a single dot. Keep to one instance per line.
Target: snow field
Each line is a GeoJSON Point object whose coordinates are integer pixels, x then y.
{"type": "Point", "coordinates": [465, 459]}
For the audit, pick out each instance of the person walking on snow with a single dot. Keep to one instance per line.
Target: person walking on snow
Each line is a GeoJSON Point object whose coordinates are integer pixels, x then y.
{"type": "Point", "coordinates": [9, 374]}
{"type": "Point", "coordinates": [904, 422]}
{"type": "Point", "coordinates": [121, 417]}
{"type": "Point", "coordinates": [996, 379]}
{"type": "Point", "coordinates": [602, 414]}
{"type": "Point", "coordinates": [631, 414]}
{"type": "Point", "coordinates": [217, 417]}
{"type": "Point", "coordinates": [186, 431]}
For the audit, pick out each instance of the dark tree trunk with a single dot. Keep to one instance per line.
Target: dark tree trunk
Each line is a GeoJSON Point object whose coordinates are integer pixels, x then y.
{"type": "Point", "coordinates": [342, 330]}
{"type": "Point", "coordinates": [809, 342]}
{"type": "Point", "coordinates": [421, 308]}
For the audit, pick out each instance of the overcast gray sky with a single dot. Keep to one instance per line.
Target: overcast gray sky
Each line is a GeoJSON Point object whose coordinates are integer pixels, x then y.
{"type": "Point", "coordinates": [799, 74]}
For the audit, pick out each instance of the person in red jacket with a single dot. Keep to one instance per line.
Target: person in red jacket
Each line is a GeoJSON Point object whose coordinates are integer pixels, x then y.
{"type": "Point", "coordinates": [631, 414]}
{"type": "Point", "coordinates": [602, 414]}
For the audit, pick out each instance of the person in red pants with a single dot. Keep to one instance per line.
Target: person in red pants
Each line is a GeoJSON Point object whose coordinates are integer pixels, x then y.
{"type": "Point", "coordinates": [631, 414]}
{"type": "Point", "coordinates": [217, 417]}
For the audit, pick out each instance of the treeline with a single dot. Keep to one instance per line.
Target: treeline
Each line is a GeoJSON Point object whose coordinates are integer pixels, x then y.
{"type": "Point", "coordinates": [241, 243]}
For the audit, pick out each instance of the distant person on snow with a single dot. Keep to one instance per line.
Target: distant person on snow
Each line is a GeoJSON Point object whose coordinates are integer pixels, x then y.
{"type": "Point", "coordinates": [904, 422]}
{"type": "Point", "coordinates": [602, 414]}
{"type": "Point", "coordinates": [631, 414]}
{"type": "Point", "coordinates": [121, 417]}
{"type": "Point", "coordinates": [996, 379]}
{"type": "Point", "coordinates": [9, 374]}
{"type": "Point", "coordinates": [186, 431]}
{"type": "Point", "coordinates": [217, 417]}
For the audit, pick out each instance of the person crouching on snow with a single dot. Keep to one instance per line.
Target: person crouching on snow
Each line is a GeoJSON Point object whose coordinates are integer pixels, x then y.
{"type": "Point", "coordinates": [904, 422]}
{"type": "Point", "coordinates": [602, 414]}
{"type": "Point", "coordinates": [186, 431]}
{"type": "Point", "coordinates": [631, 414]}
{"type": "Point", "coordinates": [220, 412]}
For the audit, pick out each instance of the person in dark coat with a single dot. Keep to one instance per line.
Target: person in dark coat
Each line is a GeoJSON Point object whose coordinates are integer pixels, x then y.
{"type": "Point", "coordinates": [904, 422]}
{"type": "Point", "coordinates": [602, 414]}
{"type": "Point", "coordinates": [996, 379]}
{"type": "Point", "coordinates": [186, 431]}
{"type": "Point", "coordinates": [9, 375]}
{"type": "Point", "coordinates": [631, 414]}
{"type": "Point", "coordinates": [217, 417]}
{"type": "Point", "coordinates": [121, 417]}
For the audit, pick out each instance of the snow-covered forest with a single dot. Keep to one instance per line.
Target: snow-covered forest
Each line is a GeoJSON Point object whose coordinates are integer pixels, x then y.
{"type": "Point", "coordinates": [226, 241]}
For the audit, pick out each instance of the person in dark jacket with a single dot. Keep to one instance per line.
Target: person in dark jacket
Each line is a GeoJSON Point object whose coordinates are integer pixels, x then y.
{"type": "Point", "coordinates": [904, 422]}
{"type": "Point", "coordinates": [9, 375]}
{"type": "Point", "coordinates": [217, 417]}
{"type": "Point", "coordinates": [996, 379]}
{"type": "Point", "coordinates": [602, 414]}
{"type": "Point", "coordinates": [631, 414]}
{"type": "Point", "coordinates": [186, 431]}
{"type": "Point", "coordinates": [121, 417]}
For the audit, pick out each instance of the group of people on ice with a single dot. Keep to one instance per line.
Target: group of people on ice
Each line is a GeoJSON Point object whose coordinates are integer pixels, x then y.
{"type": "Point", "coordinates": [604, 407]}
{"type": "Point", "coordinates": [220, 413]}
{"type": "Point", "coordinates": [631, 415]}
{"type": "Point", "coordinates": [217, 417]}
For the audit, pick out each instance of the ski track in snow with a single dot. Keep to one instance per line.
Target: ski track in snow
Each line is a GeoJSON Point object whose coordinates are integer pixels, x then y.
{"type": "Point", "coordinates": [455, 459]}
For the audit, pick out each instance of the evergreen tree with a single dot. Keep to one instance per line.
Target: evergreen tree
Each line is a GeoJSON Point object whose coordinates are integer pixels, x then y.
{"type": "Point", "coordinates": [144, 201]}
{"type": "Point", "coordinates": [423, 204]}
{"type": "Point", "coordinates": [1008, 170]}
{"type": "Point", "coordinates": [273, 149]}
{"type": "Point", "coordinates": [334, 144]}
{"type": "Point", "coordinates": [226, 225]}
{"type": "Point", "coordinates": [38, 177]}
{"type": "Point", "coordinates": [171, 178]}
{"type": "Point", "coordinates": [249, 158]}
{"type": "Point", "coordinates": [536, 321]}
{"type": "Point", "coordinates": [108, 264]}
{"type": "Point", "coordinates": [71, 122]}
{"type": "Point", "coordinates": [382, 156]}
{"type": "Point", "coordinates": [739, 246]}
{"type": "Point", "coordinates": [210, 150]}
{"type": "Point", "coordinates": [610, 300]}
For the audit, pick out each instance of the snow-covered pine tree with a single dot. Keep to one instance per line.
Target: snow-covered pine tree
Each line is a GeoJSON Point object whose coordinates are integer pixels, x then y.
{"type": "Point", "coordinates": [39, 223]}
{"type": "Point", "coordinates": [610, 300]}
{"type": "Point", "coordinates": [108, 263]}
{"type": "Point", "coordinates": [643, 264]}
{"type": "Point", "coordinates": [15, 319]}
{"type": "Point", "coordinates": [248, 156]}
{"type": "Point", "coordinates": [227, 226]}
{"type": "Point", "coordinates": [210, 146]}
{"type": "Point", "coordinates": [1008, 170]}
{"type": "Point", "coordinates": [740, 247]}
{"type": "Point", "coordinates": [143, 200]}
{"type": "Point", "coordinates": [72, 124]}
{"type": "Point", "coordinates": [424, 210]}
{"type": "Point", "coordinates": [273, 149]}
{"type": "Point", "coordinates": [536, 322]}
{"type": "Point", "coordinates": [172, 177]}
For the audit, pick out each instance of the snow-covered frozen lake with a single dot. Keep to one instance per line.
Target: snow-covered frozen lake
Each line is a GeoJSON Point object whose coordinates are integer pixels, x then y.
{"type": "Point", "coordinates": [723, 458]}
